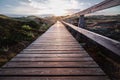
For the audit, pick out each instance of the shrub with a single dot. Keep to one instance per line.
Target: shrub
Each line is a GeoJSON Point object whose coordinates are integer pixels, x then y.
{"type": "Point", "coordinates": [26, 27]}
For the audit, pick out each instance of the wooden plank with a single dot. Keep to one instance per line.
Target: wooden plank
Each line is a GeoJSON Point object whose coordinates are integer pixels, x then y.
{"type": "Point", "coordinates": [59, 41]}
{"type": "Point", "coordinates": [53, 59]}
{"type": "Point", "coordinates": [60, 45]}
{"type": "Point", "coordinates": [57, 78]}
{"type": "Point", "coordinates": [54, 47]}
{"type": "Point", "coordinates": [51, 64]}
{"type": "Point", "coordinates": [53, 55]}
{"type": "Point", "coordinates": [55, 43]}
{"type": "Point", "coordinates": [52, 71]}
{"type": "Point", "coordinates": [53, 52]}
{"type": "Point", "coordinates": [56, 39]}
{"type": "Point", "coordinates": [67, 49]}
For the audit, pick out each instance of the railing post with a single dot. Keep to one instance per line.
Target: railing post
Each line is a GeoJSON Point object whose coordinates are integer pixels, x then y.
{"type": "Point", "coordinates": [82, 22]}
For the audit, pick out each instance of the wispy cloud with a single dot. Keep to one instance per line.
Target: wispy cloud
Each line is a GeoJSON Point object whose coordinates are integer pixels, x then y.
{"type": "Point", "coordinates": [41, 7]}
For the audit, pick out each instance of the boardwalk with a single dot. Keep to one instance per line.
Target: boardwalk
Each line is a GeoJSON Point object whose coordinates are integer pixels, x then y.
{"type": "Point", "coordinates": [55, 55]}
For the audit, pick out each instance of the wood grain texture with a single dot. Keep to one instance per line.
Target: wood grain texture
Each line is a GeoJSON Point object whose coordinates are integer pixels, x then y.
{"type": "Point", "coordinates": [56, 55]}
{"type": "Point", "coordinates": [57, 78]}
{"type": "Point", "coordinates": [52, 71]}
{"type": "Point", "coordinates": [51, 64]}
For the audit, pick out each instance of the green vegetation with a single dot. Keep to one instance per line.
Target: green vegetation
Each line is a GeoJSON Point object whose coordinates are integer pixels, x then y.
{"type": "Point", "coordinates": [17, 33]}
{"type": "Point", "coordinates": [113, 33]}
{"type": "Point", "coordinates": [108, 26]}
{"type": "Point", "coordinates": [26, 27]}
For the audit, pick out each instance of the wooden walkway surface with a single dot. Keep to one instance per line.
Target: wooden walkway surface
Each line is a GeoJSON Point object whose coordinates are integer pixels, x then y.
{"type": "Point", "coordinates": [55, 55]}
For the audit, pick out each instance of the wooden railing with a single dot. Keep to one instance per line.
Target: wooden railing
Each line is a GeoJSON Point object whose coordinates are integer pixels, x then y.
{"type": "Point", "coordinates": [106, 42]}
{"type": "Point", "coordinates": [110, 44]}
{"type": "Point", "coordinates": [100, 6]}
{"type": "Point", "coordinates": [108, 53]}
{"type": "Point", "coordinates": [109, 57]}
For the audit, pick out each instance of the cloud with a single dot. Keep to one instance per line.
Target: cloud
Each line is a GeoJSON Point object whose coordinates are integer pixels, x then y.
{"type": "Point", "coordinates": [41, 7]}
{"type": "Point", "coordinates": [33, 7]}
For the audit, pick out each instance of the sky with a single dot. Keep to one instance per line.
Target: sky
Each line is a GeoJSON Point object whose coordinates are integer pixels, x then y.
{"type": "Point", "coordinates": [49, 7]}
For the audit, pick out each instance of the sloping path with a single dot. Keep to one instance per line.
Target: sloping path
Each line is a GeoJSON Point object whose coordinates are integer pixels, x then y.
{"type": "Point", "coordinates": [55, 55]}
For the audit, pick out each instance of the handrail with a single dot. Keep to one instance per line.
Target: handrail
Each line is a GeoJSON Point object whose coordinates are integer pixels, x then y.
{"type": "Point", "coordinates": [100, 6]}
{"type": "Point", "coordinates": [106, 42]}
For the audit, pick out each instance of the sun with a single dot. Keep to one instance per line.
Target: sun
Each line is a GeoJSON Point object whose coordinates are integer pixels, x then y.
{"type": "Point", "coordinates": [58, 7]}
{"type": "Point", "coordinates": [59, 12]}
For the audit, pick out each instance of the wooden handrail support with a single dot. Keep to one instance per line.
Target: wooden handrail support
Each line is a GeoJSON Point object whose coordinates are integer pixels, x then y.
{"type": "Point", "coordinates": [100, 6]}
{"type": "Point", "coordinates": [110, 44]}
